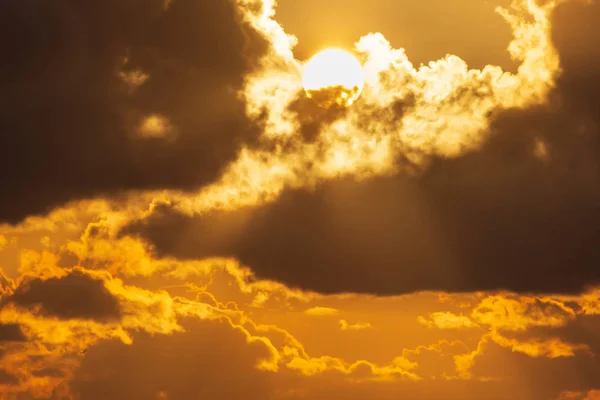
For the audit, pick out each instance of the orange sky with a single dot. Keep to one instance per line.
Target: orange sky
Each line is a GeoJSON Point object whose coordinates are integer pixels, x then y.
{"type": "Point", "coordinates": [180, 221]}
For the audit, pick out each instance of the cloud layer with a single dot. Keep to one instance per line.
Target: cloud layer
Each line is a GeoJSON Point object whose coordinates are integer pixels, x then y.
{"type": "Point", "coordinates": [184, 223]}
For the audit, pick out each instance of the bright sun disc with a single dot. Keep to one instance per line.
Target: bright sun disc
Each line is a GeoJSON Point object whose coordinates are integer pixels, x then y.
{"type": "Point", "coordinates": [333, 76]}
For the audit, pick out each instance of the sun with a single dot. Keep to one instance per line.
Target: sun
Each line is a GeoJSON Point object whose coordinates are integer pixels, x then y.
{"type": "Point", "coordinates": [333, 77]}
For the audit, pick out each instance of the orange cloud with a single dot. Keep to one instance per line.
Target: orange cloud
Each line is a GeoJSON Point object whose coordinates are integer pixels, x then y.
{"type": "Point", "coordinates": [447, 320]}
{"type": "Point", "coordinates": [572, 395]}
{"type": "Point", "coordinates": [321, 311]}
{"type": "Point", "coordinates": [86, 286]}
{"type": "Point", "coordinates": [521, 312]}
{"type": "Point", "coordinates": [452, 104]}
{"type": "Point", "coordinates": [552, 348]}
{"type": "Point", "coordinates": [3, 242]}
{"type": "Point", "coordinates": [345, 326]}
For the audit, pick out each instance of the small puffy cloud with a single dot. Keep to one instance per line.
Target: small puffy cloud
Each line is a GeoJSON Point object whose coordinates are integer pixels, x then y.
{"type": "Point", "coordinates": [321, 311]}
{"type": "Point", "coordinates": [260, 299]}
{"type": "Point", "coordinates": [447, 320]}
{"type": "Point", "coordinates": [345, 326]}
{"type": "Point", "coordinates": [155, 126]}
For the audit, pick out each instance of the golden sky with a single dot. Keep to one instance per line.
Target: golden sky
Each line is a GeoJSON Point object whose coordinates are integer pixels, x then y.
{"type": "Point", "coordinates": [180, 220]}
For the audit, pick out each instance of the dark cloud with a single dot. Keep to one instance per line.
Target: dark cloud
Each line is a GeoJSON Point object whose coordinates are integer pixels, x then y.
{"type": "Point", "coordinates": [209, 360]}
{"type": "Point", "coordinates": [322, 388]}
{"type": "Point", "coordinates": [49, 372]}
{"type": "Point", "coordinates": [11, 333]}
{"type": "Point", "coordinates": [530, 374]}
{"type": "Point", "coordinates": [68, 119]}
{"type": "Point", "coordinates": [316, 112]}
{"type": "Point", "coordinates": [582, 330]}
{"type": "Point", "coordinates": [323, 108]}
{"type": "Point", "coordinates": [7, 378]}
{"type": "Point", "coordinates": [73, 296]}
{"type": "Point", "coordinates": [67, 259]}
{"type": "Point", "coordinates": [521, 213]}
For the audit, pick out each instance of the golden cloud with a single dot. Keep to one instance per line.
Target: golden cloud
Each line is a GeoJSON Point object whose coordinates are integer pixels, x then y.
{"type": "Point", "coordinates": [446, 112]}
{"type": "Point", "coordinates": [449, 111]}
{"type": "Point", "coordinates": [321, 311]}
{"type": "Point", "coordinates": [447, 320]}
{"type": "Point", "coordinates": [345, 326]}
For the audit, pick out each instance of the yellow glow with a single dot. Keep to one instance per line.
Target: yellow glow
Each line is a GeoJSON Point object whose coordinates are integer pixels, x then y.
{"type": "Point", "coordinates": [154, 126]}
{"type": "Point", "coordinates": [333, 76]}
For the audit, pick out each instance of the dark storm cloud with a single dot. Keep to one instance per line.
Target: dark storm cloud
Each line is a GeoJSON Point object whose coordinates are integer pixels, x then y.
{"type": "Point", "coordinates": [68, 119]}
{"type": "Point", "coordinates": [522, 213]}
{"type": "Point", "coordinates": [73, 296]}
{"type": "Point", "coordinates": [11, 333]}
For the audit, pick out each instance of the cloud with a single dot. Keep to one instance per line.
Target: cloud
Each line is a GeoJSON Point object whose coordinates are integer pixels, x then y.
{"type": "Point", "coordinates": [467, 201]}
{"type": "Point", "coordinates": [396, 235]}
{"type": "Point", "coordinates": [52, 372]}
{"type": "Point", "coordinates": [177, 365]}
{"type": "Point", "coordinates": [520, 313]}
{"type": "Point", "coordinates": [164, 323]}
{"type": "Point", "coordinates": [535, 348]}
{"type": "Point", "coordinates": [345, 326]}
{"type": "Point", "coordinates": [7, 378]}
{"type": "Point", "coordinates": [118, 70]}
{"type": "Point", "coordinates": [593, 394]}
{"type": "Point", "coordinates": [73, 296]}
{"type": "Point", "coordinates": [569, 395]}
{"type": "Point", "coordinates": [449, 112]}
{"type": "Point", "coordinates": [447, 320]}
{"type": "Point", "coordinates": [480, 186]}
{"type": "Point", "coordinates": [321, 311]}
{"type": "Point", "coordinates": [11, 333]}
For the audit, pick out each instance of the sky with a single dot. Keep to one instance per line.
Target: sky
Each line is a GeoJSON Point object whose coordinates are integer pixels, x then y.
{"type": "Point", "coordinates": [179, 220]}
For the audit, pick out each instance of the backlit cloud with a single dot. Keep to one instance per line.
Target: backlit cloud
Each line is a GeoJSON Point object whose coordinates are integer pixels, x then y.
{"type": "Point", "coordinates": [179, 220]}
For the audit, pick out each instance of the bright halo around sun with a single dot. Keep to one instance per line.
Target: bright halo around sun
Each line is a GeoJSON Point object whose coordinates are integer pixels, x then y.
{"type": "Point", "coordinates": [333, 77]}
